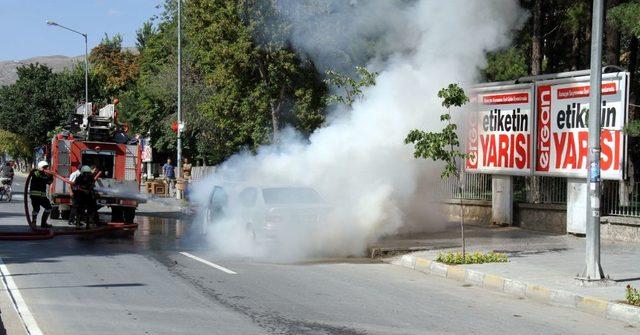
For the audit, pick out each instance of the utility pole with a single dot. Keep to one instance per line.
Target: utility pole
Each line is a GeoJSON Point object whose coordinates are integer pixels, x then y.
{"type": "Point", "coordinates": [180, 126]}
{"type": "Point", "coordinates": [593, 270]}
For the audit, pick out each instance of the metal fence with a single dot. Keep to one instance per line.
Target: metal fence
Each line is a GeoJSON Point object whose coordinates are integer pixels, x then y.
{"type": "Point", "coordinates": [199, 172]}
{"type": "Point", "coordinates": [549, 190]}
{"type": "Point", "coordinates": [620, 200]}
{"type": "Point", "coordinates": [616, 200]}
{"type": "Point", "coordinates": [474, 187]}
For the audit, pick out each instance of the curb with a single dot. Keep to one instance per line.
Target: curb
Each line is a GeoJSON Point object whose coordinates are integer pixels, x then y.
{"type": "Point", "coordinates": [594, 306]}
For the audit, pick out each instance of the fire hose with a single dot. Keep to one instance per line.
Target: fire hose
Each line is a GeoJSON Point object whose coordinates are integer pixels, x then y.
{"type": "Point", "coordinates": [48, 233]}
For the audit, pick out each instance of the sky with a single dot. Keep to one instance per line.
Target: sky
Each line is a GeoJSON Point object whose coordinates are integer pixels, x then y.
{"type": "Point", "coordinates": [24, 33]}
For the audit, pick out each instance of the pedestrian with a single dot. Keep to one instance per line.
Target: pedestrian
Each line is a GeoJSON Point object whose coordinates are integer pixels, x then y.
{"type": "Point", "coordinates": [186, 169]}
{"type": "Point", "coordinates": [40, 179]}
{"type": "Point", "coordinates": [169, 174]}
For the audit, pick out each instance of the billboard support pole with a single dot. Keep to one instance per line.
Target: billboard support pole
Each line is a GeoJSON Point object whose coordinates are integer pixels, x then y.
{"type": "Point", "coordinates": [593, 270]}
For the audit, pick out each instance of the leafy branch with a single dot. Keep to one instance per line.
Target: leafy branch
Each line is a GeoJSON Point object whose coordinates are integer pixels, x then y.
{"type": "Point", "coordinates": [352, 88]}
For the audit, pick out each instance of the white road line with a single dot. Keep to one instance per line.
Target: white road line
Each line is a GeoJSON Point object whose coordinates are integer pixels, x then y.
{"type": "Point", "coordinates": [28, 320]}
{"type": "Point", "coordinates": [213, 265]}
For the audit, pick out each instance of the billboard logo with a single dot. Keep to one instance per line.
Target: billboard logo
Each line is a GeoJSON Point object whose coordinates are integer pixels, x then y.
{"type": "Point", "coordinates": [544, 128]}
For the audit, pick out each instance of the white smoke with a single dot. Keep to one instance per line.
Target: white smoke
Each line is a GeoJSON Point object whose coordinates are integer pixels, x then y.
{"type": "Point", "coordinates": [358, 162]}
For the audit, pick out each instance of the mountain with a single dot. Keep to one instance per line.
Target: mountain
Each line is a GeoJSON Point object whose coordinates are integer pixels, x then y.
{"type": "Point", "coordinates": [8, 74]}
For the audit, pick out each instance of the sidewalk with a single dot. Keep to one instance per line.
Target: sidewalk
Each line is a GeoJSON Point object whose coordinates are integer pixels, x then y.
{"type": "Point", "coordinates": [540, 266]}
{"type": "Point", "coordinates": [163, 207]}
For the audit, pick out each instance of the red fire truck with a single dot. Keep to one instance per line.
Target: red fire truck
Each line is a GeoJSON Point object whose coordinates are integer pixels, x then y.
{"type": "Point", "coordinates": [94, 137]}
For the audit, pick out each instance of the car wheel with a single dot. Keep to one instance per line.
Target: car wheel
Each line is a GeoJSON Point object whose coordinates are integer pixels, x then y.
{"type": "Point", "coordinates": [129, 215]}
{"type": "Point", "coordinates": [55, 213]}
{"type": "Point", "coordinates": [117, 214]}
{"type": "Point", "coordinates": [251, 231]}
{"type": "Point", "coordinates": [207, 221]}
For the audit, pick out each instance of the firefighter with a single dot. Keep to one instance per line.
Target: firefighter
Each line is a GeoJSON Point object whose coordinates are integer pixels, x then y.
{"type": "Point", "coordinates": [40, 178]}
{"type": "Point", "coordinates": [83, 200]}
{"type": "Point", "coordinates": [74, 206]}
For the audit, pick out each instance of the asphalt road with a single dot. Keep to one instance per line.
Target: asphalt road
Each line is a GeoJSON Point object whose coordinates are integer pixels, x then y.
{"type": "Point", "coordinates": [165, 281]}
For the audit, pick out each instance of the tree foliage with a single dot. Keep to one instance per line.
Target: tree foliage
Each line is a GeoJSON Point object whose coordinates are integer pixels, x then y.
{"type": "Point", "coordinates": [32, 106]}
{"type": "Point", "coordinates": [117, 69]}
{"type": "Point", "coordinates": [14, 145]}
{"type": "Point", "coordinates": [443, 145]}
{"type": "Point", "coordinates": [351, 88]}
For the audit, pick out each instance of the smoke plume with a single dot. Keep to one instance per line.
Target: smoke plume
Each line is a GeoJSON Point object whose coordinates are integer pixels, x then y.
{"type": "Point", "coordinates": [358, 162]}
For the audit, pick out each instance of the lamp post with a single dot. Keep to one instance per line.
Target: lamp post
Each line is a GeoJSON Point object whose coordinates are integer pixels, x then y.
{"type": "Point", "coordinates": [179, 144]}
{"type": "Point", "coordinates": [593, 269]}
{"type": "Point", "coordinates": [86, 61]}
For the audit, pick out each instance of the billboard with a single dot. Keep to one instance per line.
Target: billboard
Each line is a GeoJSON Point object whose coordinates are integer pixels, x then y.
{"type": "Point", "coordinates": [500, 130]}
{"type": "Point", "coordinates": [562, 134]}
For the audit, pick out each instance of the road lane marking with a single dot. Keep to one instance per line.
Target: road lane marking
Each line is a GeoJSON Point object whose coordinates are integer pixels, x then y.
{"type": "Point", "coordinates": [213, 265]}
{"type": "Point", "coordinates": [19, 304]}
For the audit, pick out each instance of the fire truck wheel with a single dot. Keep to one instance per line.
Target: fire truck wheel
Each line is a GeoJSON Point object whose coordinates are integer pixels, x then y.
{"type": "Point", "coordinates": [129, 214]}
{"type": "Point", "coordinates": [116, 214]}
{"type": "Point", "coordinates": [55, 213]}
{"type": "Point", "coordinates": [64, 215]}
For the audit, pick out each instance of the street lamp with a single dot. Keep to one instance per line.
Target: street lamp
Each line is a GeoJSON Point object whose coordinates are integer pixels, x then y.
{"type": "Point", "coordinates": [180, 126]}
{"type": "Point", "coordinates": [86, 61]}
{"type": "Point", "coordinates": [593, 269]}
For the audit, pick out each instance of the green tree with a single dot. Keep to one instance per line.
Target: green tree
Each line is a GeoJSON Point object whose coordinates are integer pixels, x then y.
{"type": "Point", "coordinates": [444, 145]}
{"type": "Point", "coordinates": [14, 145]}
{"type": "Point", "coordinates": [257, 82]}
{"type": "Point", "coordinates": [350, 88]}
{"type": "Point", "coordinates": [144, 34]}
{"type": "Point", "coordinates": [32, 106]}
{"type": "Point", "coordinates": [117, 69]}
{"type": "Point", "coordinates": [505, 65]}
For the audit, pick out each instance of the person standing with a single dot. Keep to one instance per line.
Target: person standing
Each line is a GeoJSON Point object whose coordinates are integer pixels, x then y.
{"type": "Point", "coordinates": [84, 200]}
{"type": "Point", "coordinates": [186, 169]}
{"type": "Point", "coordinates": [40, 179]}
{"type": "Point", "coordinates": [74, 205]}
{"type": "Point", "coordinates": [169, 174]}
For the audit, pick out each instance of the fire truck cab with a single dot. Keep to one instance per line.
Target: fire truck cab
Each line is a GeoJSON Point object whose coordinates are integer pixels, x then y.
{"type": "Point", "coordinates": [95, 138]}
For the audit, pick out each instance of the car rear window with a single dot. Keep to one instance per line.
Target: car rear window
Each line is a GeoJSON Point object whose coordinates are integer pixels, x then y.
{"type": "Point", "coordinates": [291, 195]}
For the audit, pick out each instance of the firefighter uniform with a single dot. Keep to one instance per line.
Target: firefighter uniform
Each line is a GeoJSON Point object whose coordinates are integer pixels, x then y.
{"type": "Point", "coordinates": [38, 194]}
{"type": "Point", "coordinates": [83, 195]}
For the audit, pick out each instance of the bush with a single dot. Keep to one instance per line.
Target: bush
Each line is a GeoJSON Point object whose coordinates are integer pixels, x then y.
{"type": "Point", "coordinates": [633, 296]}
{"type": "Point", "coordinates": [474, 258]}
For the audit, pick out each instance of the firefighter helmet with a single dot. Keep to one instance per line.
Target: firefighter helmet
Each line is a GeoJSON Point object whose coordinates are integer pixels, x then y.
{"type": "Point", "coordinates": [85, 169]}
{"type": "Point", "coordinates": [42, 164]}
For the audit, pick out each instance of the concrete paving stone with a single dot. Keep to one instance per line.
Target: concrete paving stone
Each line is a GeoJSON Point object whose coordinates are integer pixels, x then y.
{"type": "Point", "coordinates": [474, 277]}
{"type": "Point", "coordinates": [422, 265]}
{"type": "Point", "coordinates": [623, 312]}
{"type": "Point", "coordinates": [592, 305]}
{"type": "Point", "coordinates": [563, 298]}
{"type": "Point", "coordinates": [515, 287]}
{"type": "Point", "coordinates": [493, 282]}
{"type": "Point", "coordinates": [439, 269]}
{"type": "Point", "coordinates": [456, 273]}
{"type": "Point", "coordinates": [537, 292]}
